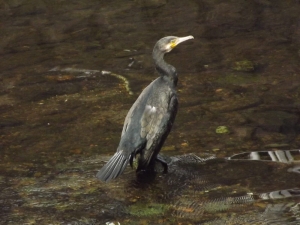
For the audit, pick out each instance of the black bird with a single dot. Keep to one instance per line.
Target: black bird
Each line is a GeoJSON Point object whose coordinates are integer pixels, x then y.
{"type": "Point", "coordinates": [150, 118]}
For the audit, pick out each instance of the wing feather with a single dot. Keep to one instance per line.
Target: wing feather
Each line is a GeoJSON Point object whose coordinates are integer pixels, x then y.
{"type": "Point", "coordinates": [156, 123]}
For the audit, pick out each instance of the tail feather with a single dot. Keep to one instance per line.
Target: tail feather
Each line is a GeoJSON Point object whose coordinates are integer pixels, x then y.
{"type": "Point", "coordinates": [114, 167]}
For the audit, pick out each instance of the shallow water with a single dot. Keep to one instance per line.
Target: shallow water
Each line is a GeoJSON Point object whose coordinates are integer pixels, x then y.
{"type": "Point", "coordinates": [71, 70]}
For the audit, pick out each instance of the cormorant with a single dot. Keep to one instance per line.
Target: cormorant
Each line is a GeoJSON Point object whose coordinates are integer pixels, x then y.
{"type": "Point", "coordinates": [150, 118]}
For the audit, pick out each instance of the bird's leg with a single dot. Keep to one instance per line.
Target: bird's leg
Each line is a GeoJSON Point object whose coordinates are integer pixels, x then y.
{"type": "Point", "coordinates": [131, 161]}
{"type": "Point", "coordinates": [163, 162]}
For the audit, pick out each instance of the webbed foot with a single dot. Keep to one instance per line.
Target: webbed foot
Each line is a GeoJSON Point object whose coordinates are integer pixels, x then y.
{"type": "Point", "coordinates": [163, 163]}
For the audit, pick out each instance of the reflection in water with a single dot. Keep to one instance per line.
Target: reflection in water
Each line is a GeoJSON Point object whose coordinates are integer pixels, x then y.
{"type": "Point", "coordinates": [286, 156]}
{"type": "Point", "coordinates": [242, 72]}
{"type": "Point", "coordinates": [195, 204]}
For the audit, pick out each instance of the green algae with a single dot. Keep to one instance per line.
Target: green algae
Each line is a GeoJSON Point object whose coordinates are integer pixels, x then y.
{"type": "Point", "coordinates": [222, 130]}
{"type": "Point", "coordinates": [244, 66]}
{"type": "Point", "coordinates": [122, 78]}
{"type": "Point", "coordinates": [152, 209]}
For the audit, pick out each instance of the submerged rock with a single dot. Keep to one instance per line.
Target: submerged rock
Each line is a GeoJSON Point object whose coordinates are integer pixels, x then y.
{"type": "Point", "coordinates": [244, 66]}
{"type": "Point", "coordinates": [222, 130]}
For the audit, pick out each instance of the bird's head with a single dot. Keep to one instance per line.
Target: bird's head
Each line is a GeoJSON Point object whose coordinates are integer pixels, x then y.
{"type": "Point", "coordinates": [166, 44]}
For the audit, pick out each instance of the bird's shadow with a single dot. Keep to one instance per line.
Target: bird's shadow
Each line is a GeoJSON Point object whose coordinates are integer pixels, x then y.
{"type": "Point", "coordinates": [144, 178]}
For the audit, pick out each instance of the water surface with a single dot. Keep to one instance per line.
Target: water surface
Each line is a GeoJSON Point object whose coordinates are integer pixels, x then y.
{"type": "Point", "coordinates": [61, 114]}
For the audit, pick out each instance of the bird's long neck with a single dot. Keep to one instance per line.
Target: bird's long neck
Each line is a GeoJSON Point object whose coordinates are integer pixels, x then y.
{"type": "Point", "coordinates": [167, 71]}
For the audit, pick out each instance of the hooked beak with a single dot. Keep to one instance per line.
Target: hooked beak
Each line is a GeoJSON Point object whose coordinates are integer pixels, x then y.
{"type": "Point", "coordinates": [175, 42]}
{"type": "Point", "coordinates": [182, 39]}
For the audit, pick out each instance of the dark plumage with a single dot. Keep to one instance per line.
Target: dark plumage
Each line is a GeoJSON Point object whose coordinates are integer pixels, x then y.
{"type": "Point", "coordinates": [150, 118]}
